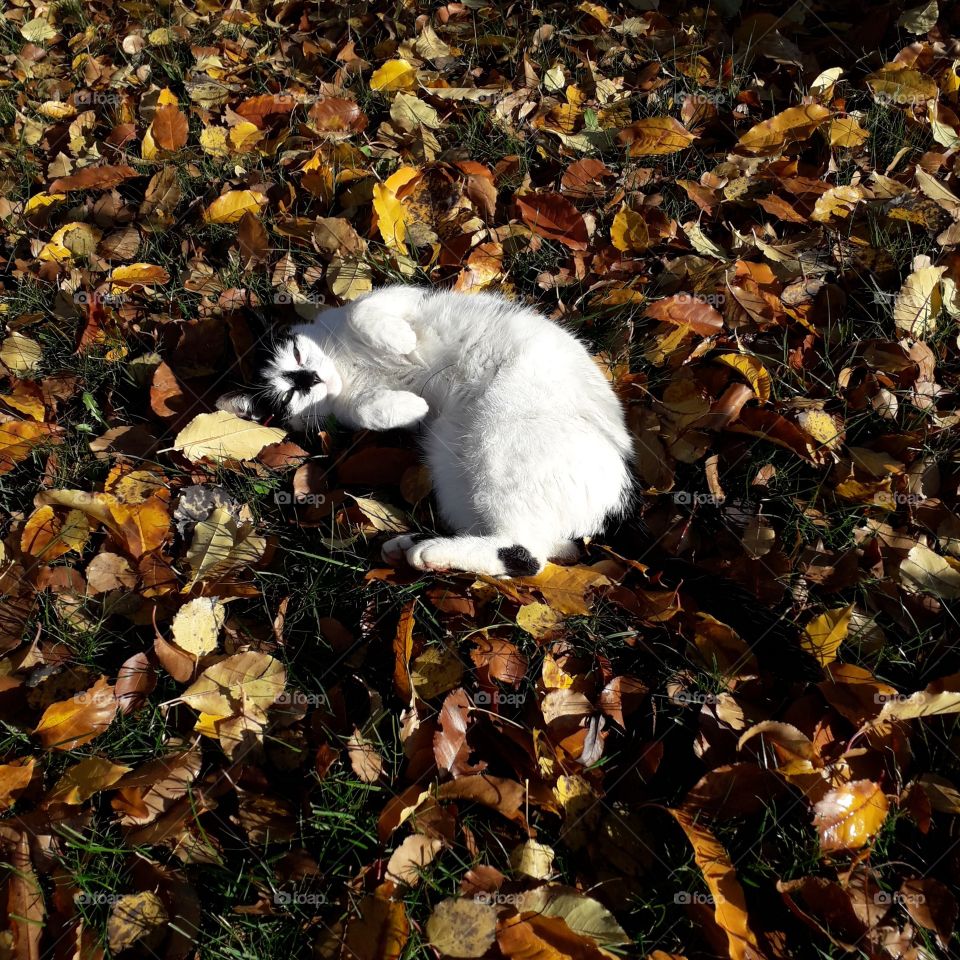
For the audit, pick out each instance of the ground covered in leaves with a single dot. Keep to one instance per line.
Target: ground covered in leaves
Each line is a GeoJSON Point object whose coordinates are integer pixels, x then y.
{"type": "Point", "coordinates": [729, 731]}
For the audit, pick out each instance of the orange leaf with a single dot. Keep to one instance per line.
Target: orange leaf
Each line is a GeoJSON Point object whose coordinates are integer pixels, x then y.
{"type": "Point", "coordinates": [553, 216]}
{"type": "Point", "coordinates": [71, 723]}
{"type": "Point", "coordinates": [169, 127]}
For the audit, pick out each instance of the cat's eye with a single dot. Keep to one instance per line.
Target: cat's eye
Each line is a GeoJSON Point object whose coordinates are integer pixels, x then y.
{"type": "Point", "coordinates": [296, 355]}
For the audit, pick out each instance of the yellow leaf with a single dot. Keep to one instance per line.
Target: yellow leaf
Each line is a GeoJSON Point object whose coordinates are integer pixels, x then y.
{"type": "Point", "coordinates": [539, 620]}
{"type": "Point", "coordinates": [46, 536]}
{"type": "Point", "coordinates": [566, 589]}
{"type": "Point", "coordinates": [249, 681]}
{"type": "Point", "coordinates": [848, 817]}
{"type": "Point", "coordinates": [918, 304]}
{"type": "Point", "coordinates": [846, 132]}
{"type": "Point", "coordinates": [394, 75]}
{"type": "Point", "coordinates": [244, 136]}
{"type": "Point", "coordinates": [213, 141]}
{"type": "Point", "coordinates": [729, 902]}
{"type": "Point", "coordinates": [629, 232]}
{"type": "Point", "coordinates": [38, 30]}
{"type": "Point", "coordinates": [86, 778]}
{"type": "Point", "coordinates": [231, 206]}
{"type": "Point", "coordinates": [753, 371]}
{"type": "Point", "coordinates": [901, 85]}
{"type": "Point", "coordinates": [224, 436]}
{"type": "Point", "coordinates": [462, 927]}
{"type": "Point", "coordinates": [77, 239]}
{"type": "Point", "coordinates": [196, 627]}
{"type": "Point", "coordinates": [20, 354]}
{"type": "Point", "coordinates": [824, 635]}
{"type": "Point", "coordinates": [69, 724]}
{"type": "Point", "coordinates": [837, 203]}
{"type": "Point", "coordinates": [656, 136]}
{"type": "Point", "coordinates": [792, 124]}
{"type": "Point", "coordinates": [40, 200]}
{"type": "Point", "coordinates": [221, 546]}
{"type": "Point", "coordinates": [390, 217]}
{"type": "Point", "coordinates": [138, 273]}
{"type": "Point", "coordinates": [926, 571]}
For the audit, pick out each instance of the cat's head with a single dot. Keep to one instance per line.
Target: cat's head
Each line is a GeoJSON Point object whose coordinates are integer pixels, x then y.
{"type": "Point", "coordinates": [298, 383]}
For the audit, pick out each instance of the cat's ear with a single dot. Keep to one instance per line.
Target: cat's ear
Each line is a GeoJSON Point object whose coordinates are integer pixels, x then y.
{"type": "Point", "coordinates": [238, 403]}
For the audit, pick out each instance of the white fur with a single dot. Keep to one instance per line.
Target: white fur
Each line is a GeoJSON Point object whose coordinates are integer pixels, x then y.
{"type": "Point", "coordinates": [523, 435]}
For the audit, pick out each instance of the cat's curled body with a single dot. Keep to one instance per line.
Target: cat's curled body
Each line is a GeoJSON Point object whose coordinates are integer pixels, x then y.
{"type": "Point", "coordinates": [524, 437]}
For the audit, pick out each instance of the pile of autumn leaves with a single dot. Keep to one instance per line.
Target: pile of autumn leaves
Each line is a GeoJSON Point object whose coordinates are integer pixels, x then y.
{"type": "Point", "coordinates": [116, 546]}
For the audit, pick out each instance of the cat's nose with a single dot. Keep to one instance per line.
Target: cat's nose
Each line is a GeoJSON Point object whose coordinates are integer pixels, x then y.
{"type": "Point", "coordinates": [302, 380]}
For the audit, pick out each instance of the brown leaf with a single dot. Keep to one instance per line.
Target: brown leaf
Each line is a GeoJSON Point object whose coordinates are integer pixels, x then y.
{"type": "Point", "coordinates": [136, 680]}
{"type": "Point", "coordinates": [504, 796]}
{"type": "Point", "coordinates": [167, 397]}
{"type": "Point", "coordinates": [531, 936]}
{"type": "Point", "coordinates": [253, 239]}
{"type": "Point", "coordinates": [504, 662]}
{"type": "Point", "coordinates": [93, 178]}
{"type": "Point", "coordinates": [583, 179]}
{"type": "Point", "coordinates": [656, 136]}
{"type": "Point", "coordinates": [336, 115]}
{"type": "Point", "coordinates": [169, 127]}
{"type": "Point", "coordinates": [25, 909]}
{"type": "Point", "coordinates": [450, 746]}
{"type": "Point", "coordinates": [687, 310]}
{"type": "Point", "coordinates": [930, 904]}
{"type": "Point", "coordinates": [552, 216]}
{"type": "Point", "coordinates": [267, 106]}
{"type": "Point", "coordinates": [621, 696]}
{"type": "Point", "coordinates": [379, 931]}
{"type": "Point", "coordinates": [366, 761]}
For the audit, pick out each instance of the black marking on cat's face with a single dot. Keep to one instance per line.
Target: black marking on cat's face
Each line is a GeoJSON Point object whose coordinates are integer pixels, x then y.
{"type": "Point", "coordinates": [302, 380]}
{"type": "Point", "coordinates": [518, 560]}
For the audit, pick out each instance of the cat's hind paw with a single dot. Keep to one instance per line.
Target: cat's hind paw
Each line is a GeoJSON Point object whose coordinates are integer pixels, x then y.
{"type": "Point", "coordinates": [395, 548]}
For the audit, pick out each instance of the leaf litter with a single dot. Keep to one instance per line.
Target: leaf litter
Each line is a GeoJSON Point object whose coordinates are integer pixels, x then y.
{"type": "Point", "coordinates": [727, 730]}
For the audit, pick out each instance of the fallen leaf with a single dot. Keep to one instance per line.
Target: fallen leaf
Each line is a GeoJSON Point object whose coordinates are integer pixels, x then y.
{"type": "Point", "coordinates": [850, 816]}
{"type": "Point", "coordinates": [224, 436]}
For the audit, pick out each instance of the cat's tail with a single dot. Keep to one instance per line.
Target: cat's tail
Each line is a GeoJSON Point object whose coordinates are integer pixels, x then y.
{"type": "Point", "coordinates": [494, 556]}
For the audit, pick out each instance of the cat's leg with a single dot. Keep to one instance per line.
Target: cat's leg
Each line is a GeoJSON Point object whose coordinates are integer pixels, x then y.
{"type": "Point", "coordinates": [564, 551]}
{"type": "Point", "coordinates": [493, 556]}
{"type": "Point", "coordinates": [383, 319]}
{"type": "Point", "coordinates": [388, 410]}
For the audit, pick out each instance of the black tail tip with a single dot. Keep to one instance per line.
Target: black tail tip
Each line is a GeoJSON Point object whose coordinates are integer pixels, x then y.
{"type": "Point", "coordinates": [518, 561]}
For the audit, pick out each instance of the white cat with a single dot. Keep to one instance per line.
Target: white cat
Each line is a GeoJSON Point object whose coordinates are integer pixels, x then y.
{"type": "Point", "coordinates": [523, 435]}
